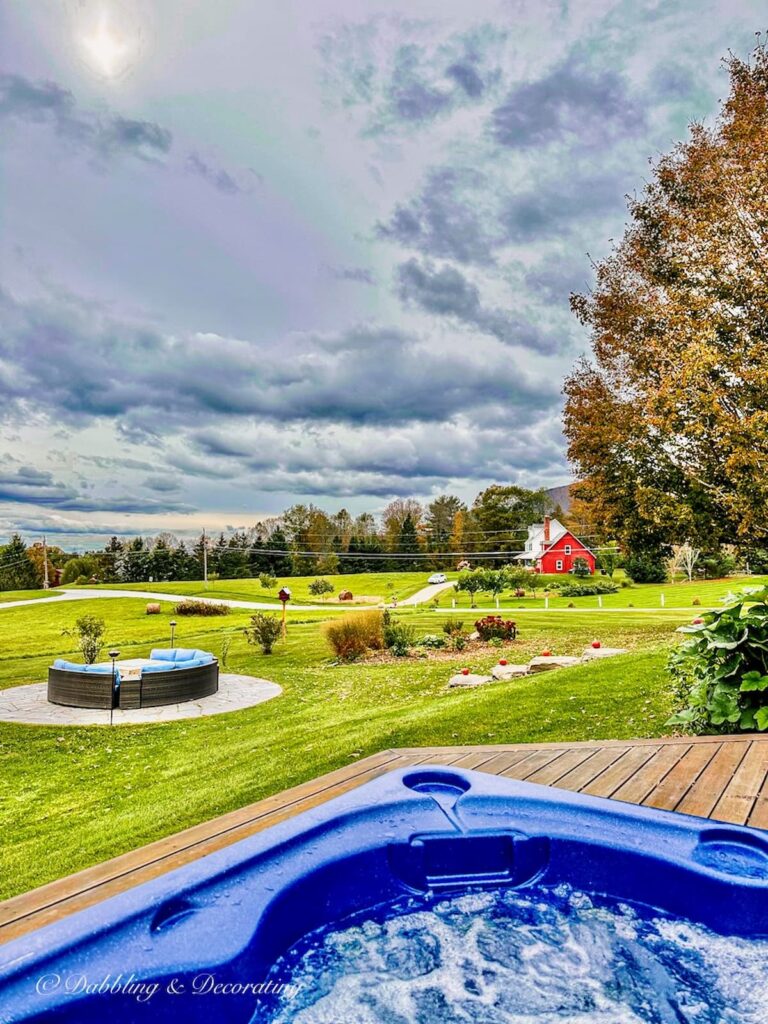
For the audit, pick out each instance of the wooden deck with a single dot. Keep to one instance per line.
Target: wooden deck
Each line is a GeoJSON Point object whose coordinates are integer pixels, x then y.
{"type": "Point", "coordinates": [725, 778]}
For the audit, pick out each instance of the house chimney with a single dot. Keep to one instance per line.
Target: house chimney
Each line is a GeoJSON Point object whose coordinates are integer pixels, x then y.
{"type": "Point", "coordinates": [546, 529]}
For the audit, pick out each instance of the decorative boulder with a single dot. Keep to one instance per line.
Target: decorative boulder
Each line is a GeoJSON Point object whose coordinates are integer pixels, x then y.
{"type": "Point", "coordinates": [602, 652]}
{"type": "Point", "coordinates": [153, 609]}
{"type": "Point", "coordinates": [346, 595]}
{"type": "Point", "coordinates": [468, 680]}
{"type": "Point", "coordinates": [550, 661]}
{"type": "Point", "coordinates": [509, 671]}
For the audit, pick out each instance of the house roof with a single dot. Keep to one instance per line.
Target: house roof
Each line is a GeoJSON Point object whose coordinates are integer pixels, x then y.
{"type": "Point", "coordinates": [536, 540]}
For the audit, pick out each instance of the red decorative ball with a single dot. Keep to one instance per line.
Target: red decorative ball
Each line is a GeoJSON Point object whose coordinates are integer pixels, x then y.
{"type": "Point", "coordinates": [596, 644]}
{"type": "Point", "coordinates": [698, 622]}
{"type": "Point", "coordinates": [503, 661]}
{"type": "Point", "coordinates": [546, 654]}
{"type": "Point", "coordinates": [465, 671]}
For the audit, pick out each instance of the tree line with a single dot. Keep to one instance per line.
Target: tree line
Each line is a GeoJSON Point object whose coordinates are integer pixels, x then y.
{"type": "Point", "coordinates": [305, 540]}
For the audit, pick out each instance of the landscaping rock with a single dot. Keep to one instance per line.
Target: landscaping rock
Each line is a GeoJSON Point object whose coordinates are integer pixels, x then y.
{"type": "Point", "coordinates": [509, 671]}
{"type": "Point", "coordinates": [470, 680]}
{"type": "Point", "coordinates": [591, 653]}
{"type": "Point", "coordinates": [346, 595]}
{"type": "Point", "coordinates": [543, 664]}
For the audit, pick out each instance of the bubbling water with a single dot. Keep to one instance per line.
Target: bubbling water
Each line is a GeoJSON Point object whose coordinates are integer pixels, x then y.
{"type": "Point", "coordinates": [531, 956]}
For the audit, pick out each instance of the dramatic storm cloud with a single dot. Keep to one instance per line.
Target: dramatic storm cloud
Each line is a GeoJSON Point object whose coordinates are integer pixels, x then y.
{"type": "Point", "coordinates": [248, 260]}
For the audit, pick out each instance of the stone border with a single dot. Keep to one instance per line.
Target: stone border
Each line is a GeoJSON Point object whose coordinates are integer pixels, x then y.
{"type": "Point", "coordinates": [28, 705]}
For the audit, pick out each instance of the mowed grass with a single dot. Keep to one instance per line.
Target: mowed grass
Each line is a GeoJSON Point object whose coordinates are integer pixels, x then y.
{"type": "Point", "coordinates": [378, 586]}
{"type": "Point", "coordinates": [680, 595]}
{"type": "Point", "coordinates": [72, 797]}
{"type": "Point", "coordinates": [24, 595]}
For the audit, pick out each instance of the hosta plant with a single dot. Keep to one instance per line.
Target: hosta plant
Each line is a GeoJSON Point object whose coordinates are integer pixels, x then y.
{"type": "Point", "coordinates": [721, 669]}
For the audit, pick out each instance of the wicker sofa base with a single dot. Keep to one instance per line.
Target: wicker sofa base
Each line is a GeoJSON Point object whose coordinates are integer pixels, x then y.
{"type": "Point", "coordinates": [93, 690]}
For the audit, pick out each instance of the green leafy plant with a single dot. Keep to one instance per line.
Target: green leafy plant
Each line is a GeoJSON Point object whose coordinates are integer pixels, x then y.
{"type": "Point", "coordinates": [452, 627]}
{"type": "Point", "coordinates": [581, 567]}
{"type": "Point", "coordinates": [399, 637]}
{"type": "Point", "coordinates": [192, 607]}
{"type": "Point", "coordinates": [588, 589]}
{"type": "Point", "coordinates": [721, 670]}
{"type": "Point", "coordinates": [494, 626]}
{"type": "Point", "coordinates": [89, 632]}
{"type": "Point", "coordinates": [432, 641]}
{"type": "Point", "coordinates": [267, 581]}
{"type": "Point", "coordinates": [352, 636]}
{"type": "Point", "coordinates": [264, 631]}
{"type": "Point", "coordinates": [319, 588]}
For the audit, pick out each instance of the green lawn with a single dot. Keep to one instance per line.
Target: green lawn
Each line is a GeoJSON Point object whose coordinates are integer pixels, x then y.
{"type": "Point", "coordinates": [24, 595]}
{"type": "Point", "coordinates": [72, 797]}
{"type": "Point", "coordinates": [641, 596]}
{"type": "Point", "coordinates": [378, 585]}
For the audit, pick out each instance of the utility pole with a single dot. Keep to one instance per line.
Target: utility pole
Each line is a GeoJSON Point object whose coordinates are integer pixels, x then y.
{"type": "Point", "coordinates": [205, 558]}
{"type": "Point", "coordinates": [46, 583]}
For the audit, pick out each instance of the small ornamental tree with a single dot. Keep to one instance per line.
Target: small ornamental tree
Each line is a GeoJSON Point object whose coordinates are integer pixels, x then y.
{"type": "Point", "coordinates": [581, 567]}
{"type": "Point", "coordinates": [264, 631]}
{"type": "Point", "coordinates": [721, 670]}
{"type": "Point", "coordinates": [471, 583]}
{"type": "Point", "coordinates": [89, 632]}
{"type": "Point", "coordinates": [319, 588]}
{"type": "Point", "coordinates": [267, 581]}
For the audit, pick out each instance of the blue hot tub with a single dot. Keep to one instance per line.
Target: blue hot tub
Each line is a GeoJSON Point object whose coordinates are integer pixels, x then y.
{"type": "Point", "coordinates": [427, 895]}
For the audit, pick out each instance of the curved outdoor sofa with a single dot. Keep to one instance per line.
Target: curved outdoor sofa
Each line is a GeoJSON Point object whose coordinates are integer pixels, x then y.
{"type": "Point", "coordinates": [177, 675]}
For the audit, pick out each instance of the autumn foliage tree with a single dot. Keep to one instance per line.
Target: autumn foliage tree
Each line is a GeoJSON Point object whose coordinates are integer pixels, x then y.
{"type": "Point", "coordinates": [667, 423]}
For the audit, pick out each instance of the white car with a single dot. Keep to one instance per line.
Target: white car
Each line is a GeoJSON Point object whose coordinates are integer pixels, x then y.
{"type": "Point", "coordinates": [438, 577]}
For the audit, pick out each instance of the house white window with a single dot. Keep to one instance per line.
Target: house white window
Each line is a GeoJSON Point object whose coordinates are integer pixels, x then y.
{"type": "Point", "coordinates": [559, 565]}
{"type": "Point", "coordinates": [568, 549]}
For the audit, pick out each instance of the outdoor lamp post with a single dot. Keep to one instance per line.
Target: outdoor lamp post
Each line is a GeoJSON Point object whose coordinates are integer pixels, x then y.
{"type": "Point", "coordinates": [285, 597]}
{"type": "Point", "coordinates": [173, 630]}
{"type": "Point", "coordinates": [114, 655]}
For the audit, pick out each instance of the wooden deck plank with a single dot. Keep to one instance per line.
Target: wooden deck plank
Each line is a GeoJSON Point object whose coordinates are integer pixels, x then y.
{"type": "Point", "coordinates": [740, 794]}
{"type": "Point", "coordinates": [587, 771]}
{"type": "Point", "coordinates": [703, 795]}
{"type": "Point", "coordinates": [725, 778]}
{"type": "Point", "coordinates": [759, 816]}
{"type": "Point", "coordinates": [617, 774]}
{"type": "Point", "coordinates": [643, 782]}
{"type": "Point", "coordinates": [550, 774]}
{"type": "Point", "coordinates": [674, 786]}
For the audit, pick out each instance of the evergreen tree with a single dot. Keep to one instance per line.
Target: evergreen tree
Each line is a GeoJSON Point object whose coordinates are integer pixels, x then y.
{"type": "Point", "coordinates": [17, 571]}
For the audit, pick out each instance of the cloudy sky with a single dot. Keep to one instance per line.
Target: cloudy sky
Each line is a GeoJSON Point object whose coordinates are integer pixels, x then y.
{"type": "Point", "coordinates": [257, 253]}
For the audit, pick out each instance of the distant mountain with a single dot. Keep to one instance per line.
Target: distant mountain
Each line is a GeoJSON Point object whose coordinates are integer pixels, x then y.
{"type": "Point", "coordinates": [561, 495]}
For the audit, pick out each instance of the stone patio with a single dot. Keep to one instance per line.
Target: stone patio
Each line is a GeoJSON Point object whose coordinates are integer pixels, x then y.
{"type": "Point", "coordinates": [29, 705]}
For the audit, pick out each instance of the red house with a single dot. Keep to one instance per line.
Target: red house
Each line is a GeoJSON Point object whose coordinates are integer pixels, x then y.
{"type": "Point", "coordinates": [550, 548]}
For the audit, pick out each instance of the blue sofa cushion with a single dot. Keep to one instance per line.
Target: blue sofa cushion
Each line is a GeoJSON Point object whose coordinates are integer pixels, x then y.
{"type": "Point", "coordinates": [72, 666]}
{"type": "Point", "coordinates": [158, 668]}
{"type": "Point", "coordinates": [162, 654]}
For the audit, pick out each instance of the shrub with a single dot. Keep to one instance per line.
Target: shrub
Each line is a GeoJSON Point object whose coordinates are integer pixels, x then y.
{"type": "Point", "coordinates": [264, 631]}
{"type": "Point", "coordinates": [192, 607]}
{"type": "Point", "coordinates": [399, 638]}
{"type": "Point", "coordinates": [720, 670]}
{"type": "Point", "coordinates": [494, 626]}
{"type": "Point", "coordinates": [459, 642]}
{"type": "Point", "coordinates": [319, 588]}
{"type": "Point", "coordinates": [432, 640]}
{"type": "Point", "coordinates": [592, 588]}
{"type": "Point", "coordinates": [89, 631]}
{"type": "Point", "coordinates": [351, 636]}
{"type": "Point", "coordinates": [581, 567]}
{"type": "Point", "coordinates": [696, 601]}
{"type": "Point", "coordinates": [647, 566]}
{"type": "Point", "coordinates": [451, 627]}
{"type": "Point", "coordinates": [267, 580]}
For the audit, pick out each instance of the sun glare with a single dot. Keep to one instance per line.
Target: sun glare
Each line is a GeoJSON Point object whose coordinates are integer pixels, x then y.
{"type": "Point", "coordinates": [106, 52]}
